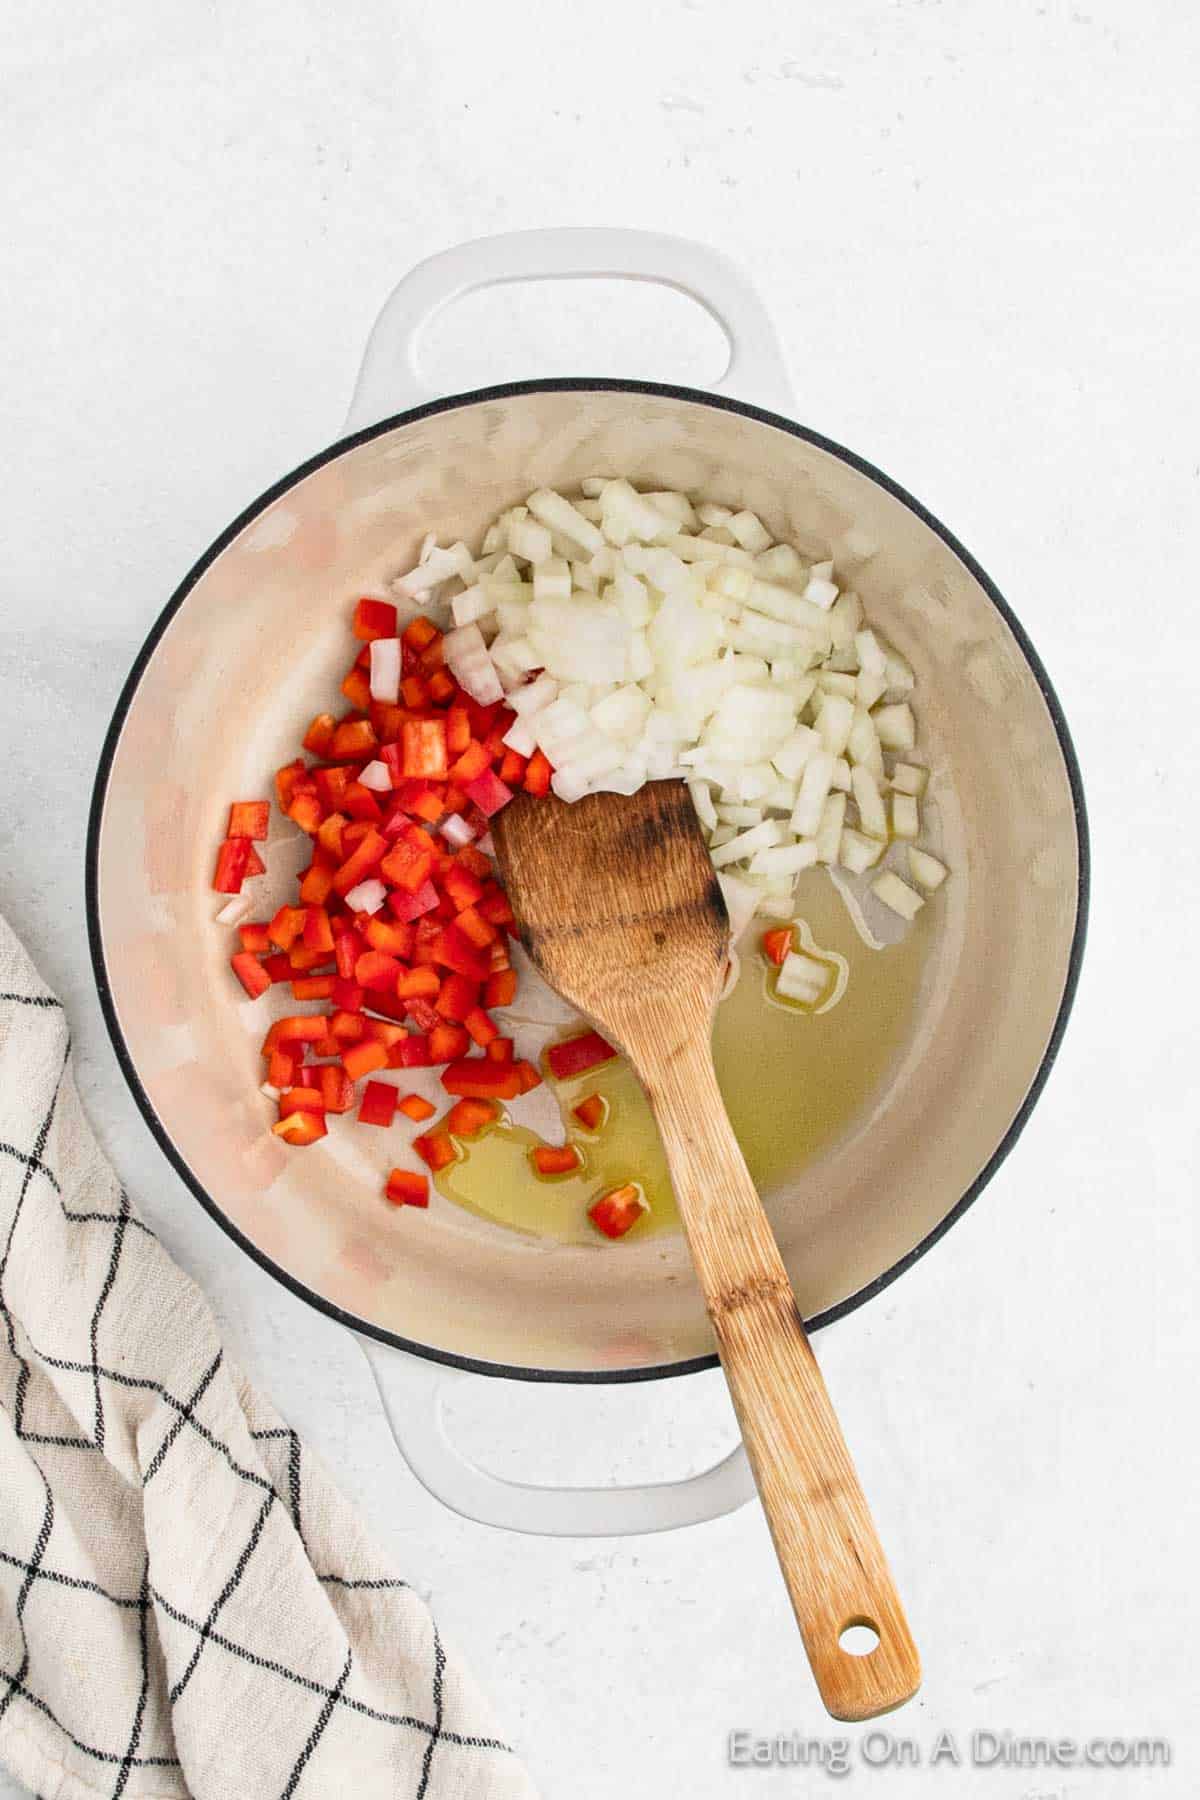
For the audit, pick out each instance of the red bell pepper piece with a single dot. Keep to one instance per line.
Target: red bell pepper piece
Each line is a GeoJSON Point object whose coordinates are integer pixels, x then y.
{"type": "Point", "coordinates": [302, 1028]}
{"type": "Point", "coordinates": [475, 928]}
{"type": "Point", "coordinates": [301, 1128]}
{"type": "Point", "coordinates": [250, 973]}
{"type": "Point", "coordinates": [282, 1066]}
{"type": "Point", "coordinates": [527, 1075]}
{"type": "Point", "coordinates": [305, 811]}
{"type": "Point", "coordinates": [364, 1058]}
{"type": "Point", "coordinates": [537, 774]}
{"type": "Point", "coordinates": [362, 804]}
{"type": "Point", "coordinates": [230, 872]}
{"type": "Point", "coordinates": [378, 1104]}
{"type": "Point", "coordinates": [377, 972]}
{"type": "Point", "coordinates": [452, 951]}
{"type": "Point", "coordinates": [357, 689]}
{"type": "Point", "coordinates": [416, 1107]}
{"type": "Point", "coordinates": [591, 1112]}
{"type": "Point", "coordinates": [482, 1029]}
{"type": "Point", "coordinates": [414, 1051]}
{"type": "Point", "coordinates": [512, 768]}
{"type": "Point", "coordinates": [548, 1159]}
{"type": "Point", "coordinates": [361, 862]}
{"type": "Point", "coordinates": [313, 987]}
{"type": "Point", "coordinates": [500, 1050]}
{"type": "Point", "coordinates": [577, 1054]}
{"type": "Point", "coordinates": [461, 886]}
{"type": "Point", "coordinates": [316, 883]}
{"type": "Point", "coordinates": [249, 819]}
{"type": "Point", "coordinates": [337, 1090]}
{"type": "Point", "coordinates": [374, 619]}
{"type": "Point", "coordinates": [435, 1148]}
{"type": "Point", "coordinates": [418, 984]}
{"type": "Point", "coordinates": [347, 1026]}
{"type": "Point", "coordinates": [278, 967]}
{"type": "Point", "coordinates": [478, 1078]}
{"type": "Point", "coordinates": [457, 997]}
{"type": "Point", "coordinates": [255, 938]}
{"type": "Point", "coordinates": [442, 686]}
{"type": "Point", "coordinates": [467, 1118]}
{"type": "Point", "coordinates": [500, 989]}
{"type": "Point", "coordinates": [286, 779]}
{"type": "Point", "coordinates": [446, 1042]}
{"type": "Point", "coordinates": [414, 691]}
{"type": "Point", "coordinates": [319, 735]}
{"type": "Point", "coordinates": [389, 936]}
{"type": "Point", "coordinates": [404, 1188]}
{"type": "Point", "coordinates": [408, 867]}
{"type": "Point", "coordinates": [777, 943]}
{"type": "Point", "coordinates": [329, 836]}
{"type": "Point", "coordinates": [458, 730]}
{"type": "Point", "coordinates": [287, 925]}
{"type": "Point", "coordinates": [318, 932]}
{"type": "Point", "coordinates": [254, 863]}
{"type": "Point", "coordinates": [419, 1013]}
{"type": "Point", "coordinates": [472, 763]}
{"type": "Point", "coordinates": [489, 793]}
{"type": "Point", "coordinates": [419, 633]}
{"type": "Point", "coordinates": [353, 740]}
{"type": "Point", "coordinates": [300, 1099]}
{"type": "Point", "coordinates": [618, 1211]}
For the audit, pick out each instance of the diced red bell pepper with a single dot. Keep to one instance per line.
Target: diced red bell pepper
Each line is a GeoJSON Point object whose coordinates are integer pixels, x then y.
{"type": "Point", "coordinates": [300, 1128]}
{"type": "Point", "coordinates": [482, 1029]}
{"type": "Point", "coordinates": [249, 819]}
{"type": "Point", "coordinates": [618, 1211]}
{"type": "Point", "coordinates": [512, 768]}
{"type": "Point", "coordinates": [304, 961]}
{"type": "Point", "coordinates": [527, 1075]}
{"type": "Point", "coordinates": [458, 730]}
{"type": "Point", "coordinates": [460, 885]}
{"type": "Point", "coordinates": [287, 926]}
{"type": "Point", "coordinates": [250, 973]}
{"type": "Point", "coordinates": [282, 1066]}
{"type": "Point", "coordinates": [577, 1054]}
{"type": "Point", "coordinates": [452, 951]}
{"type": "Point", "coordinates": [478, 1078]}
{"type": "Point", "coordinates": [337, 1090]}
{"type": "Point", "coordinates": [494, 904]}
{"type": "Point", "coordinates": [357, 689]}
{"type": "Point", "coordinates": [313, 987]}
{"type": "Point", "coordinates": [549, 1159]}
{"type": "Point", "coordinates": [254, 864]}
{"type": "Point", "coordinates": [489, 793]}
{"type": "Point", "coordinates": [442, 686]}
{"type": "Point", "coordinates": [420, 1014]}
{"type": "Point", "coordinates": [457, 997]}
{"type": "Point", "coordinates": [374, 619]}
{"type": "Point", "coordinates": [467, 1118]}
{"type": "Point", "coordinates": [329, 836]}
{"type": "Point", "coordinates": [278, 967]}
{"type": "Point", "coordinates": [255, 938]}
{"type": "Point", "coordinates": [326, 1046]}
{"type": "Point", "coordinates": [318, 932]}
{"type": "Point", "coordinates": [361, 862]}
{"type": "Point", "coordinates": [301, 1028]}
{"type": "Point", "coordinates": [389, 936]}
{"type": "Point", "coordinates": [316, 883]}
{"type": "Point", "coordinates": [364, 1058]}
{"type": "Point", "coordinates": [414, 691]}
{"type": "Point", "coordinates": [408, 867]}
{"type": "Point", "coordinates": [416, 1107]}
{"type": "Point", "coordinates": [300, 1099]}
{"type": "Point", "coordinates": [500, 989]}
{"type": "Point", "coordinates": [230, 871]}
{"type": "Point", "coordinates": [591, 1112]}
{"type": "Point", "coordinates": [537, 775]}
{"type": "Point", "coordinates": [418, 984]}
{"type": "Point", "coordinates": [362, 804]}
{"type": "Point", "coordinates": [472, 763]}
{"type": "Point", "coordinates": [306, 812]}
{"type": "Point", "coordinates": [419, 633]}
{"type": "Point", "coordinates": [405, 1188]}
{"type": "Point", "coordinates": [378, 1104]}
{"type": "Point", "coordinates": [388, 1032]}
{"type": "Point", "coordinates": [435, 1148]}
{"type": "Point", "coordinates": [472, 861]}
{"type": "Point", "coordinates": [424, 800]}
{"type": "Point", "coordinates": [353, 739]}
{"type": "Point", "coordinates": [286, 779]}
{"type": "Point", "coordinates": [388, 721]}
{"type": "Point", "coordinates": [347, 1026]}
{"type": "Point", "coordinates": [319, 735]}
{"type": "Point", "coordinates": [331, 783]}
{"type": "Point", "coordinates": [347, 996]}
{"type": "Point", "coordinates": [377, 972]}
{"type": "Point", "coordinates": [777, 943]}
{"type": "Point", "coordinates": [446, 1042]}
{"type": "Point", "coordinates": [414, 1051]}
{"type": "Point", "coordinates": [500, 1049]}
{"type": "Point", "coordinates": [475, 928]}
{"type": "Point", "coordinates": [348, 946]}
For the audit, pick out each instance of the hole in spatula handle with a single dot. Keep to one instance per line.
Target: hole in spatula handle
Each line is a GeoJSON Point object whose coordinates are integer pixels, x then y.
{"type": "Point", "coordinates": [859, 1637]}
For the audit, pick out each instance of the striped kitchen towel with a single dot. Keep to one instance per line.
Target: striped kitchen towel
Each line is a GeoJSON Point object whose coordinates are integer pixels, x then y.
{"type": "Point", "coordinates": [188, 1606]}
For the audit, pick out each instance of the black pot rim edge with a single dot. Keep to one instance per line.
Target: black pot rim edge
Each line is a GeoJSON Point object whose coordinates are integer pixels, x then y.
{"type": "Point", "coordinates": [507, 390]}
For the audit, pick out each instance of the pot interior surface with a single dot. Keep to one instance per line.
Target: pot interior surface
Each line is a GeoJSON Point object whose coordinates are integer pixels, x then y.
{"type": "Point", "coordinates": [254, 648]}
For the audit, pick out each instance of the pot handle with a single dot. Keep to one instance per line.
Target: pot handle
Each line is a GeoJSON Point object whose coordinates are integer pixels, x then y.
{"type": "Point", "coordinates": [413, 1392]}
{"type": "Point", "coordinates": [390, 379]}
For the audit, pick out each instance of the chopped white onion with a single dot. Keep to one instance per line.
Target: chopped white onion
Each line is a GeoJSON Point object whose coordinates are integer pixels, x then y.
{"type": "Point", "coordinates": [906, 816]}
{"type": "Point", "coordinates": [897, 894]}
{"type": "Point", "coordinates": [802, 977]}
{"type": "Point", "coordinates": [377, 776]}
{"type": "Point", "coordinates": [468, 661]}
{"type": "Point", "coordinates": [925, 870]}
{"type": "Point", "coordinates": [367, 897]}
{"type": "Point", "coordinates": [896, 727]}
{"type": "Point", "coordinates": [385, 670]}
{"type": "Point", "coordinates": [909, 778]}
{"type": "Point", "coordinates": [456, 831]}
{"type": "Point", "coordinates": [235, 910]}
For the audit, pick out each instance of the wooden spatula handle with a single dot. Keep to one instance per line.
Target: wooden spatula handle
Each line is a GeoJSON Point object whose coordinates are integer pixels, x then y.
{"type": "Point", "coordinates": [829, 1552]}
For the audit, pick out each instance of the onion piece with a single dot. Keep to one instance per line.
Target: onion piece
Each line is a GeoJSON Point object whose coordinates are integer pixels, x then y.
{"type": "Point", "coordinates": [471, 666]}
{"type": "Point", "coordinates": [234, 910]}
{"type": "Point", "coordinates": [802, 977]}
{"type": "Point", "coordinates": [385, 670]}
{"type": "Point", "coordinates": [895, 726]}
{"type": "Point", "coordinates": [367, 897]}
{"type": "Point", "coordinates": [558, 513]}
{"type": "Point", "coordinates": [909, 778]}
{"type": "Point", "coordinates": [926, 870]}
{"type": "Point", "coordinates": [814, 790]}
{"type": "Point", "coordinates": [456, 831]}
{"type": "Point", "coordinates": [897, 894]}
{"type": "Point", "coordinates": [377, 776]}
{"type": "Point", "coordinates": [906, 816]}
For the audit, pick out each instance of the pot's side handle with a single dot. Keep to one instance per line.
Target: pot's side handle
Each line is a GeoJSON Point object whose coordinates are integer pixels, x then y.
{"type": "Point", "coordinates": [413, 1391]}
{"type": "Point", "coordinates": [390, 379]}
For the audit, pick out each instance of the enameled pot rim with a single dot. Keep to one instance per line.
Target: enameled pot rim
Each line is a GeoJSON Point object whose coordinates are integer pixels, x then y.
{"type": "Point", "coordinates": [509, 390]}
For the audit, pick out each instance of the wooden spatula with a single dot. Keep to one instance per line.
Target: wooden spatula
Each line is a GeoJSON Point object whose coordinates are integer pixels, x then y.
{"type": "Point", "coordinates": [621, 911]}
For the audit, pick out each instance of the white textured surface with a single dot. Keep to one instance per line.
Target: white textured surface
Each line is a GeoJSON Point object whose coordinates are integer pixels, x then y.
{"type": "Point", "coordinates": [976, 228]}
